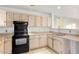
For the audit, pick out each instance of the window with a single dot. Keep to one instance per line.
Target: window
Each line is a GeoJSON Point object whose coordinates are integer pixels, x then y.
{"type": "Point", "coordinates": [71, 26]}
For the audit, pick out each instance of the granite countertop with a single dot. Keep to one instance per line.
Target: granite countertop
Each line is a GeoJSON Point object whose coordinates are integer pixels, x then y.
{"type": "Point", "coordinates": [66, 36]}
{"type": "Point", "coordinates": [70, 37]}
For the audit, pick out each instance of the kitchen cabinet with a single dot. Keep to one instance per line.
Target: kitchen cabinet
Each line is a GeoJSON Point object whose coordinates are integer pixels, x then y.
{"type": "Point", "coordinates": [24, 17]}
{"type": "Point", "coordinates": [61, 45]}
{"type": "Point", "coordinates": [8, 45]}
{"type": "Point", "coordinates": [9, 19]}
{"type": "Point", "coordinates": [34, 42]}
{"type": "Point", "coordinates": [1, 45]}
{"type": "Point", "coordinates": [32, 20]}
{"type": "Point", "coordinates": [50, 43]}
{"type": "Point", "coordinates": [16, 16]}
{"type": "Point", "coordinates": [56, 45]}
{"type": "Point", "coordinates": [38, 40]}
{"type": "Point", "coordinates": [49, 21]}
{"type": "Point", "coordinates": [2, 18]}
{"type": "Point", "coordinates": [50, 40]}
{"type": "Point", "coordinates": [44, 21]}
{"type": "Point", "coordinates": [38, 21]}
{"type": "Point", "coordinates": [43, 40]}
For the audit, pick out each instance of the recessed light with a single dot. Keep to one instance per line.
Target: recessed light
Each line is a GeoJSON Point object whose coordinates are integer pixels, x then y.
{"type": "Point", "coordinates": [58, 7]}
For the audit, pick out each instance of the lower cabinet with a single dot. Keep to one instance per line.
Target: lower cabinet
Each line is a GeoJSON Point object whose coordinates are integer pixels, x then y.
{"type": "Point", "coordinates": [33, 42]}
{"type": "Point", "coordinates": [8, 45]}
{"type": "Point", "coordinates": [37, 41]}
{"type": "Point", "coordinates": [61, 45]}
{"type": "Point", "coordinates": [1, 45]}
{"type": "Point", "coordinates": [5, 45]}
{"type": "Point", "coordinates": [43, 40]}
{"type": "Point", "coordinates": [50, 43]}
{"type": "Point", "coordinates": [57, 45]}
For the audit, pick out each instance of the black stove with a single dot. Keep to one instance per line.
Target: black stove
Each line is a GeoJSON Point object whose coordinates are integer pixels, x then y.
{"type": "Point", "coordinates": [20, 41]}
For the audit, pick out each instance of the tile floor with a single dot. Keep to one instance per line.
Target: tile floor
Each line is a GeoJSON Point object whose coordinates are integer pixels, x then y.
{"type": "Point", "coordinates": [44, 50]}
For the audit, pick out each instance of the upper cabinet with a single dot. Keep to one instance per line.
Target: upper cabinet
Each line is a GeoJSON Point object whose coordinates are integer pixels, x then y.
{"type": "Point", "coordinates": [2, 18]}
{"type": "Point", "coordinates": [44, 21]}
{"type": "Point", "coordinates": [49, 21]}
{"type": "Point", "coordinates": [9, 19]}
{"type": "Point", "coordinates": [38, 21]}
{"type": "Point", "coordinates": [16, 16]}
{"type": "Point", "coordinates": [32, 20]}
{"type": "Point", "coordinates": [24, 17]}
{"type": "Point", "coordinates": [20, 17]}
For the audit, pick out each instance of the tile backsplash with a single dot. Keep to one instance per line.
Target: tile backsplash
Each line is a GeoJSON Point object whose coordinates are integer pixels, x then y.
{"type": "Point", "coordinates": [30, 29]}
{"type": "Point", "coordinates": [41, 29]}
{"type": "Point", "coordinates": [67, 31]}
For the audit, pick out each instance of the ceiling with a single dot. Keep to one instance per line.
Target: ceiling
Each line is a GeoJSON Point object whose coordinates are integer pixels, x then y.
{"type": "Point", "coordinates": [65, 10]}
{"type": "Point", "coordinates": [43, 8]}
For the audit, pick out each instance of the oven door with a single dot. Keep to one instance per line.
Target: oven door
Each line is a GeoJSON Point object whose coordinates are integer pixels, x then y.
{"type": "Point", "coordinates": [20, 44]}
{"type": "Point", "coordinates": [21, 41]}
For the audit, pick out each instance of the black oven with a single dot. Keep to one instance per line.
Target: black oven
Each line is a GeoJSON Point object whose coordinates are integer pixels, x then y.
{"type": "Point", "coordinates": [20, 44]}
{"type": "Point", "coordinates": [20, 41]}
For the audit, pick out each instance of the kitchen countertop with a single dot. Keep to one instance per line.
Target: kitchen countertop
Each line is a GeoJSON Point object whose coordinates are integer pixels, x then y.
{"type": "Point", "coordinates": [66, 36]}
{"type": "Point", "coordinates": [6, 34]}
{"type": "Point", "coordinates": [70, 37]}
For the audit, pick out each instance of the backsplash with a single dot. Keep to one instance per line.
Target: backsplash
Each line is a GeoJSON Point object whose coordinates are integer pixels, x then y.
{"type": "Point", "coordinates": [41, 29]}
{"type": "Point", "coordinates": [67, 31]}
{"type": "Point", "coordinates": [30, 29]}
{"type": "Point", "coordinates": [6, 29]}
{"type": "Point", "coordinates": [38, 29]}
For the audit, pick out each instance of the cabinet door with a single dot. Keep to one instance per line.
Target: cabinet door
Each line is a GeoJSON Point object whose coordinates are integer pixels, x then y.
{"type": "Point", "coordinates": [57, 44]}
{"type": "Point", "coordinates": [8, 45]}
{"type": "Point", "coordinates": [2, 18]}
{"type": "Point", "coordinates": [49, 22]}
{"type": "Point", "coordinates": [32, 21]}
{"type": "Point", "coordinates": [38, 21]}
{"type": "Point", "coordinates": [9, 18]}
{"type": "Point", "coordinates": [24, 17]}
{"type": "Point", "coordinates": [34, 42]}
{"type": "Point", "coordinates": [16, 16]}
{"type": "Point", "coordinates": [44, 21]}
{"type": "Point", "coordinates": [43, 40]}
{"type": "Point", "coordinates": [50, 43]}
{"type": "Point", "coordinates": [1, 45]}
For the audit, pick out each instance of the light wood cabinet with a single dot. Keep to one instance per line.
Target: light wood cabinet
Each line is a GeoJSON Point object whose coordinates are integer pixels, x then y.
{"type": "Point", "coordinates": [43, 40]}
{"type": "Point", "coordinates": [8, 45]}
{"type": "Point", "coordinates": [2, 18]}
{"type": "Point", "coordinates": [24, 17]}
{"type": "Point", "coordinates": [9, 19]}
{"type": "Point", "coordinates": [44, 21]}
{"type": "Point", "coordinates": [49, 21]}
{"type": "Point", "coordinates": [50, 43]}
{"type": "Point", "coordinates": [1, 45]}
{"type": "Point", "coordinates": [38, 21]}
{"type": "Point", "coordinates": [32, 21]}
{"type": "Point", "coordinates": [34, 42]}
{"type": "Point", "coordinates": [61, 45]}
{"type": "Point", "coordinates": [16, 16]}
{"type": "Point", "coordinates": [37, 41]}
